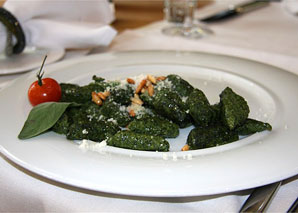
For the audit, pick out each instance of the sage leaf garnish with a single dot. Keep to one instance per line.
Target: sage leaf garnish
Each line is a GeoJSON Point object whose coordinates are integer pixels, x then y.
{"type": "Point", "coordinates": [42, 117]}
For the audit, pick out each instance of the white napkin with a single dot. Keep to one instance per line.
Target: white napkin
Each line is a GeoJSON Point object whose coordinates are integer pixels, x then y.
{"type": "Point", "coordinates": [62, 24]}
{"type": "Point", "coordinates": [291, 6]}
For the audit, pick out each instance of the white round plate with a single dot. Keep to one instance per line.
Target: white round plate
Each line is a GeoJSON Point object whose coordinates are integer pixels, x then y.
{"type": "Point", "coordinates": [250, 162]}
{"type": "Point", "coordinates": [29, 59]}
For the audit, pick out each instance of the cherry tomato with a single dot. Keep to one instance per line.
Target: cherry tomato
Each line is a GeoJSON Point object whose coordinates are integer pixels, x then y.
{"type": "Point", "coordinates": [50, 90]}
{"type": "Point", "coordinates": [44, 90]}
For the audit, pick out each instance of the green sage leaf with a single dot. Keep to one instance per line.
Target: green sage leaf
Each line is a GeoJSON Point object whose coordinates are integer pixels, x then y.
{"type": "Point", "coordinates": [42, 117]}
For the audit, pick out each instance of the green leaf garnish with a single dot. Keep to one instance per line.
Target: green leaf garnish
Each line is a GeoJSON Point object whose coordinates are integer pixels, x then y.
{"type": "Point", "coordinates": [42, 117]}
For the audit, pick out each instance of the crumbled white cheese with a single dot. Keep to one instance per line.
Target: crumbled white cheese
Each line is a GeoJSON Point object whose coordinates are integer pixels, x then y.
{"type": "Point", "coordinates": [90, 117]}
{"type": "Point", "coordinates": [175, 158]}
{"type": "Point", "coordinates": [112, 120]}
{"type": "Point", "coordinates": [123, 108]}
{"type": "Point", "coordinates": [165, 156]}
{"type": "Point", "coordinates": [164, 84]}
{"type": "Point", "coordinates": [189, 156]}
{"type": "Point", "coordinates": [184, 99]}
{"type": "Point", "coordinates": [135, 107]}
{"type": "Point", "coordinates": [138, 110]}
{"type": "Point", "coordinates": [123, 85]}
{"type": "Point", "coordinates": [88, 145]}
{"type": "Point", "coordinates": [101, 117]}
{"type": "Point", "coordinates": [138, 78]}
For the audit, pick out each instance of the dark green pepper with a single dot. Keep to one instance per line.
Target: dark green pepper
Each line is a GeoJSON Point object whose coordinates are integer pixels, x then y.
{"type": "Point", "coordinates": [81, 94]}
{"type": "Point", "coordinates": [136, 141]}
{"type": "Point", "coordinates": [62, 125]}
{"type": "Point", "coordinates": [206, 137]}
{"type": "Point", "coordinates": [147, 99]}
{"type": "Point", "coordinates": [97, 79]}
{"type": "Point", "coordinates": [93, 112]}
{"type": "Point", "coordinates": [179, 85]}
{"type": "Point", "coordinates": [111, 109]}
{"type": "Point", "coordinates": [252, 126]}
{"type": "Point", "coordinates": [122, 95]}
{"type": "Point", "coordinates": [78, 94]}
{"type": "Point", "coordinates": [216, 108]}
{"type": "Point", "coordinates": [234, 108]}
{"type": "Point", "coordinates": [199, 108]}
{"type": "Point", "coordinates": [169, 105]}
{"type": "Point", "coordinates": [71, 115]}
{"type": "Point", "coordinates": [95, 131]}
{"type": "Point", "coordinates": [72, 93]}
{"type": "Point", "coordinates": [155, 126]}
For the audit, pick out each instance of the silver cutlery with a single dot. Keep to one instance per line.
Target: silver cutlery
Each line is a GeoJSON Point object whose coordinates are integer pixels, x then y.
{"type": "Point", "coordinates": [294, 207]}
{"type": "Point", "coordinates": [260, 198]}
{"type": "Point", "coordinates": [235, 10]}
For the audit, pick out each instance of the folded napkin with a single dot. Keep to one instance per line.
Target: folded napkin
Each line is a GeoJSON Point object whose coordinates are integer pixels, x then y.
{"type": "Point", "coordinates": [62, 24]}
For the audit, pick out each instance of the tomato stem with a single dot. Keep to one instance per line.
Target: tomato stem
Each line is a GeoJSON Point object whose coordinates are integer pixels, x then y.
{"type": "Point", "coordinates": [39, 73]}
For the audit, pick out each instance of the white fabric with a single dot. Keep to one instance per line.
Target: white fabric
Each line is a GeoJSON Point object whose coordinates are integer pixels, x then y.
{"type": "Point", "coordinates": [22, 191]}
{"type": "Point", "coordinates": [291, 6]}
{"type": "Point", "coordinates": [268, 35]}
{"type": "Point", "coordinates": [51, 24]}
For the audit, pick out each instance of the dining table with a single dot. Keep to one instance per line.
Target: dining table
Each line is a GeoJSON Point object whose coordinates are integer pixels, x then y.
{"type": "Point", "coordinates": [267, 36]}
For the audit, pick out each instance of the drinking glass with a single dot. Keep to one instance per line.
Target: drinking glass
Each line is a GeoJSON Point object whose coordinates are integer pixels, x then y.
{"type": "Point", "coordinates": [180, 15]}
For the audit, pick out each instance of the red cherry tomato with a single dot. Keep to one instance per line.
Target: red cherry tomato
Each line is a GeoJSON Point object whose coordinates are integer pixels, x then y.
{"type": "Point", "coordinates": [44, 90]}
{"type": "Point", "coordinates": [50, 90]}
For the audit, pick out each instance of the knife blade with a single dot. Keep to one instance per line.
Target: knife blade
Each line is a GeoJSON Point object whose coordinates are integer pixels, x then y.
{"type": "Point", "coordinates": [234, 10]}
{"type": "Point", "coordinates": [294, 207]}
{"type": "Point", "coordinates": [260, 198]}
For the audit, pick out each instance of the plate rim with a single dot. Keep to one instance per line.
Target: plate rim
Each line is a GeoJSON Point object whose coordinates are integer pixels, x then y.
{"type": "Point", "coordinates": [129, 52]}
{"type": "Point", "coordinates": [59, 54]}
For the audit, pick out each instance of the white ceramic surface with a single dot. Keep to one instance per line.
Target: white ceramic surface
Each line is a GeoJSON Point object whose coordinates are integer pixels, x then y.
{"type": "Point", "coordinates": [29, 59]}
{"type": "Point", "coordinates": [253, 161]}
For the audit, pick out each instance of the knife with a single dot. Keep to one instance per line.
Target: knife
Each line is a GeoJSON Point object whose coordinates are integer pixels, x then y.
{"type": "Point", "coordinates": [294, 207]}
{"type": "Point", "coordinates": [234, 10]}
{"type": "Point", "coordinates": [260, 198]}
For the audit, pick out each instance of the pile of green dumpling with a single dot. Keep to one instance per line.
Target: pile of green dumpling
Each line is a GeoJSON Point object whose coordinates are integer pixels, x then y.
{"type": "Point", "coordinates": [175, 104]}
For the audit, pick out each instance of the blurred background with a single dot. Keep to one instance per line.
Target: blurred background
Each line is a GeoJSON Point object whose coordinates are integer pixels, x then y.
{"type": "Point", "coordinates": [131, 14]}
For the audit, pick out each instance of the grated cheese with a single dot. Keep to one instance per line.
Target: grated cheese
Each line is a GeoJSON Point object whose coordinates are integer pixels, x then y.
{"type": "Point", "coordinates": [88, 145]}
{"type": "Point", "coordinates": [164, 84]}
{"type": "Point", "coordinates": [85, 132]}
{"type": "Point", "coordinates": [112, 120]}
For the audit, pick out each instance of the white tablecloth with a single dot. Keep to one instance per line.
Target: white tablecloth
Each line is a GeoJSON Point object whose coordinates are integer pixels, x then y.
{"type": "Point", "coordinates": [268, 35]}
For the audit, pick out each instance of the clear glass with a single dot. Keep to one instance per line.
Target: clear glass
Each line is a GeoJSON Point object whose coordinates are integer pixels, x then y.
{"type": "Point", "coordinates": [180, 15]}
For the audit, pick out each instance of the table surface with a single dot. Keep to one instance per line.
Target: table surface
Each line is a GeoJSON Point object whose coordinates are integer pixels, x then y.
{"type": "Point", "coordinates": [131, 14]}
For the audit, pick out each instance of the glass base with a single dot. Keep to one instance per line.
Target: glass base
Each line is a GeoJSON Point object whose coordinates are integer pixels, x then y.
{"type": "Point", "coordinates": [194, 32]}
